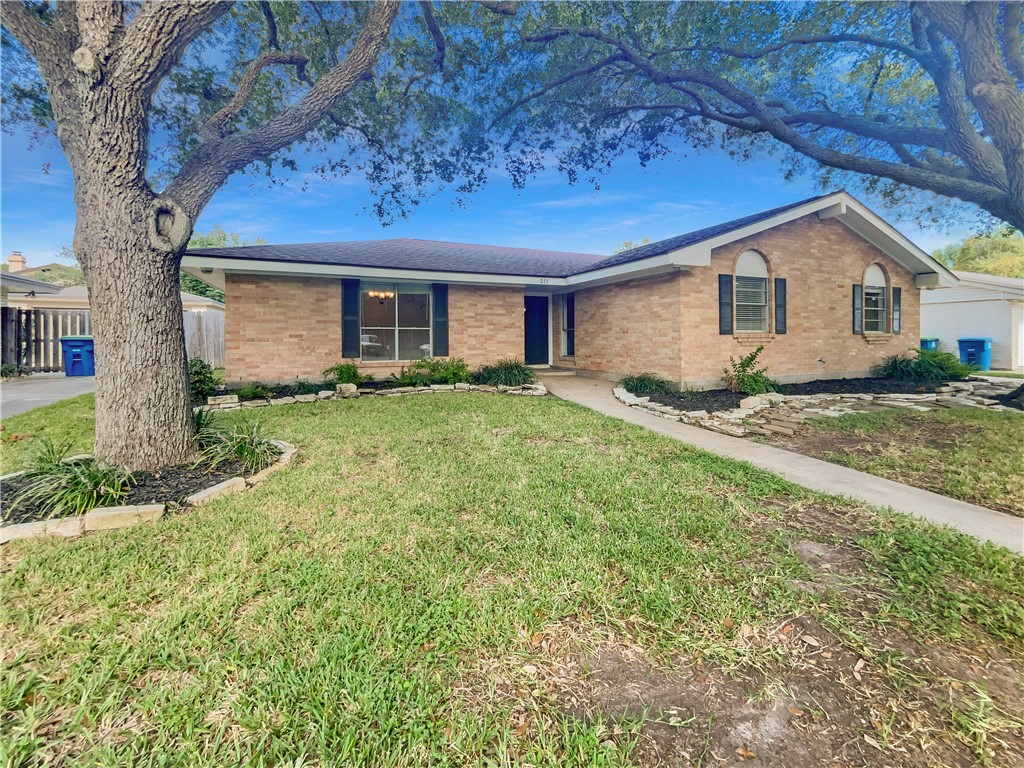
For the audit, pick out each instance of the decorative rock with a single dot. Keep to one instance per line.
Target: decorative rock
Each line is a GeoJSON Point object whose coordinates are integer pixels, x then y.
{"type": "Point", "coordinates": [462, 385]}
{"type": "Point", "coordinates": [255, 404]}
{"type": "Point", "coordinates": [773, 398]}
{"type": "Point", "coordinates": [109, 518]}
{"type": "Point", "coordinates": [780, 429]}
{"type": "Point", "coordinates": [696, 415]}
{"type": "Point", "coordinates": [347, 390]}
{"type": "Point", "coordinates": [753, 402]}
{"type": "Point", "coordinates": [324, 394]}
{"type": "Point", "coordinates": [222, 399]}
{"type": "Point", "coordinates": [962, 386]}
{"type": "Point", "coordinates": [736, 413]}
{"type": "Point", "coordinates": [398, 391]}
{"type": "Point", "coordinates": [233, 485]}
{"type": "Point", "coordinates": [22, 531]}
{"type": "Point", "coordinates": [439, 387]}
{"type": "Point", "coordinates": [486, 388]}
{"type": "Point", "coordinates": [305, 398]}
{"type": "Point", "coordinates": [282, 400]}
{"type": "Point", "coordinates": [725, 429]}
{"type": "Point", "coordinates": [68, 527]}
{"type": "Point", "coordinates": [366, 391]}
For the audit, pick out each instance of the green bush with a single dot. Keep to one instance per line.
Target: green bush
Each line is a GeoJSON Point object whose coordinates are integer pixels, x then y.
{"type": "Point", "coordinates": [254, 391]}
{"type": "Point", "coordinates": [509, 372]}
{"type": "Point", "coordinates": [244, 442]}
{"type": "Point", "coordinates": [432, 371]}
{"type": "Point", "coordinates": [346, 373]}
{"type": "Point", "coordinates": [925, 365]}
{"type": "Point", "coordinates": [11, 371]}
{"type": "Point", "coordinates": [303, 388]}
{"type": "Point", "coordinates": [743, 376]}
{"type": "Point", "coordinates": [201, 380]}
{"type": "Point", "coordinates": [647, 383]}
{"type": "Point", "coordinates": [60, 487]}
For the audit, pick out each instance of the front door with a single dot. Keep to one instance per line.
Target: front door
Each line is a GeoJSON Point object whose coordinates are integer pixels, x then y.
{"type": "Point", "coordinates": [537, 331]}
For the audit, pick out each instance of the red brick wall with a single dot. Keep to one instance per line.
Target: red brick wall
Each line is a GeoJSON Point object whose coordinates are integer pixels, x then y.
{"type": "Point", "coordinates": [485, 324]}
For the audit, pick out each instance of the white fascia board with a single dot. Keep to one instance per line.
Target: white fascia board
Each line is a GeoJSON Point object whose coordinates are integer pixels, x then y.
{"type": "Point", "coordinates": [192, 265]}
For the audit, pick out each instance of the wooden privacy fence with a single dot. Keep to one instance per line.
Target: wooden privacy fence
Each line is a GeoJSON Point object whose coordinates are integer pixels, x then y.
{"type": "Point", "coordinates": [31, 337]}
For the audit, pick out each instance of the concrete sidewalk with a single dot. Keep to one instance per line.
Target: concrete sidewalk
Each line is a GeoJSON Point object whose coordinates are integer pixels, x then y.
{"type": "Point", "coordinates": [20, 395]}
{"type": "Point", "coordinates": [985, 524]}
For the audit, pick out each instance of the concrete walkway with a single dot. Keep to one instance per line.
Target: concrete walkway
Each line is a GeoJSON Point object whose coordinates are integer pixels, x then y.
{"type": "Point", "coordinates": [20, 395]}
{"type": "Point", "coordinates": [985, 524]}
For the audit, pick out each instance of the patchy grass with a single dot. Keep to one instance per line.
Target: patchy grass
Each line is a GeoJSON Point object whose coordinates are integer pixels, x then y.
{"type": "Point", "coordinates": [69, 420]}
{"type": "Point", "coordinates": [462, 579]}
{"type": "Point", "coordinates": [1004, 374]}
{"type": "Point", "coordinates": [966, 453]}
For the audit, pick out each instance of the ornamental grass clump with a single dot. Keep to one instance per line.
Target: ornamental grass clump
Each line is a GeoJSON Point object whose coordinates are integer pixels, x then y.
{"type": "Point", "coordinates": [59, 487]}
{"type": "Point", "coordinates": [925, 365]}
{"type": "Point", "coordinates": [647, 383]}
{"type": "Point", "coordinates": [245, 442]}
{"type": "Point", "coordinates": [510, 372]}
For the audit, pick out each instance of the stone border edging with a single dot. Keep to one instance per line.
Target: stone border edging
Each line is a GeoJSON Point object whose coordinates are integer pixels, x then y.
{"type": "Point", "coordinates": [113, 518]}
{"type": "Point", "coordinates": [755, 417]}
{"type": "Point", "coordinates": [348, 391]}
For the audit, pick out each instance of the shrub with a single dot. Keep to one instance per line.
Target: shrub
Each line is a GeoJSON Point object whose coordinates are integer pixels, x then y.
{"type": "Point", "coordinates": [926, 365]}
{"type": "Point", "coordinates": [243, 442]}
{"type": "Point", "coordinates": [11, 371]}
{"type": "Point", "coordinates": [303, 388]}
{"type": "Point", "coordinates": [509, 372]}
{"type": "Point", "coordinates": [60, 487]}
{"type": "Point", "coordinates": [201, 380]}
{"type": "Point", "coordinates": [254, 391]}
{"type": "Point", "coordinates": [346, 373]}
{"type": "Point", "coordinates": [647, 383]}
{"type": "Point", "coordinates": [743, 376]}
{"type": "Point", "coordinates": [433, 371]}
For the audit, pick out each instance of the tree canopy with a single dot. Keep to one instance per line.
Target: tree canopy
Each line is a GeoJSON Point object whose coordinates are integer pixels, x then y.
{"type": "Point", "coordinates": [212, 238]}
{"type": "Point", "coordinates": [894, 98]}
{"type": "Point", "coordinates": [999, 251]}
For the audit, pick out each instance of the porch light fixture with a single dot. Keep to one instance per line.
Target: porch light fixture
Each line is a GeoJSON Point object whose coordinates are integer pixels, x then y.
{"type": "Point", "coordinates": [381, 296]}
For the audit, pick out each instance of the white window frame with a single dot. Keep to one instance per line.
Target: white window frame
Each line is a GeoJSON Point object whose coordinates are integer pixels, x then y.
{"type": "Point", "coordinates": [878, 319]}
{"type": "Point", "coordinates": [397, 288]}
{"type": "Point", "coordinates": [744, 271]}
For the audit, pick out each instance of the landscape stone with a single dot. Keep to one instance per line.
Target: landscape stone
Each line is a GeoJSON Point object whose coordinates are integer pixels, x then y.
{"type": "Point", "coordinates": [282, 401]}
{"type": "Point", "coordinates": [222, 399]}
{"type": "Point", "coordinates": [110, 518]}
{"type": "Point", "coordinates": [753, 402]}
{"type": "Point", "coordinates": [255, 404]}
{"type": "Point", "coordinates": [347, 390]}
{"type": "Point", "coordinates": [232, 485]}
{"type": "Point", "coordinates": [68, 527]}
{"type": "Point", "coordinates": [305, 398]}
{"type": "Point", "coordinates": [22, 531]}
{"type": "Point", "coordinates": [325, 394]}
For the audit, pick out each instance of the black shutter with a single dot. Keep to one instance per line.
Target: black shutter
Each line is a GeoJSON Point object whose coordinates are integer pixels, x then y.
{"type": "Point", "coordinates": [570, 324]}
{"type": "Point", "coordinates": [780, 305]}
{"type": "Point", "coordinates": [440, 291]}
{"type": "Point", "coordinates": [897, 310]}
{"type": "Point", "coordinates": [858, 308]}
{"type": "Point", "coordinates": [725, 305]}
{"type": "Point", "coordinates": [350, 333]}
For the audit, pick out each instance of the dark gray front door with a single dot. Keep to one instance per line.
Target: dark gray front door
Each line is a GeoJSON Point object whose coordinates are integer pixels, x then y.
{"type": "Point", "coordinates": [537, 331]}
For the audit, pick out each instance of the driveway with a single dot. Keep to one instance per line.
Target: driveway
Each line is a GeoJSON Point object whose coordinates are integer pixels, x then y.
{"type": "Point", "coordinates": [20, 395]}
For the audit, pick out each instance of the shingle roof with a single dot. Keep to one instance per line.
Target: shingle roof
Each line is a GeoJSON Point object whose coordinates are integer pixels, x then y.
{"type": "Point", "coordinates": [406, 253]}
{"type": "Point", "coordinates": [648, 250]}
{"type": "Point", "coordinates": [435, 256]}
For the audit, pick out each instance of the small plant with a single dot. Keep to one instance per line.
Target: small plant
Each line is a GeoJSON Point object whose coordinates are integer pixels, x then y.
{"type": "Point", "coordinates": [346, 373]}
{"type": "Point", "coordinates": [925, 365]}
{"type": "Point", "coordinates": [510, 372]}
{"type": "Point", "coordinates": [202, 381]}
{"type": "Point", "coordinates": [303, 388]}
{"type": "Point", "coordinates": [254, 391]}
{"type": "Point", "coordinates": [433, 371]}
{"type": "Point", "coordinates": [647, 383]}
{"type": "Point", "coordinates": [743, 376]}
{"type": "Point", "coordinates": [11, 371]}
{"type": "Point", "coordinates": [243, 442]}
{"type": "Point", "coordinates": [205, 422]}
{"type": "Point", "coordinates": [60, 487]}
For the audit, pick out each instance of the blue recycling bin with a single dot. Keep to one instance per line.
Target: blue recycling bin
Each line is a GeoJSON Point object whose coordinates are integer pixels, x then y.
{"type": "Point", "coordinates": [976, 351]}
{"type": "Point", "coordinates": [79, 355]}
{"type": "Point", "coordinates": [930, 343]}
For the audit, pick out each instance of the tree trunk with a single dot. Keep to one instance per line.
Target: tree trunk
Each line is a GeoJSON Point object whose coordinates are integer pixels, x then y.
{"type": "Point", "coordinates": [143, 409]}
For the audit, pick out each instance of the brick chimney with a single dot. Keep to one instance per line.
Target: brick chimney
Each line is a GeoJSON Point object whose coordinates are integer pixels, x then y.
{"type": "Point", "coordinates": [15, 262]}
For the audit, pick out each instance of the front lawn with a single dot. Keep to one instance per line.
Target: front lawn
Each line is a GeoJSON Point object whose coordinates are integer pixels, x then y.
{"type": "Point", "coordinates": [966, 453]}
{"type": "Point", "coordinates": [462, 579]}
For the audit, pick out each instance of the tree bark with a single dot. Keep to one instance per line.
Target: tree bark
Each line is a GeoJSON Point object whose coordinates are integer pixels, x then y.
{"type": "Point", "coordinates": [143, 411]}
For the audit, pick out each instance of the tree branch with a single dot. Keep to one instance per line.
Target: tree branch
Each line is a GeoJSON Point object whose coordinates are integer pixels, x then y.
{"type": "Point", "coordinates": [41, 41]}
{"type": "Point", "coordinates": [435, 33]}
{"type": "Point", "coordinates": [1010, 37]}
{"type": "Point", "coordinates": [217, 125]}
{"type": "Point", "coordinates": [212, 163]}
{"type": "Point", "coordinates": [734, 53]}
{"type": "Point", "coordinates": [268, 15]}
{"type": "Point", "coordinates": [498, 7]}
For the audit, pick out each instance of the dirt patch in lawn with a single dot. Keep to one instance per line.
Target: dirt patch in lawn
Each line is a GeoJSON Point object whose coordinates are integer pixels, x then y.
{"type": "Point", "coordinates": [171, 485]}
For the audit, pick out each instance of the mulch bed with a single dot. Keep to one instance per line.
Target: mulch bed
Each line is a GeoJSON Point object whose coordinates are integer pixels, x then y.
{"type": "Point", "coordinates": [171, 485]}
{"type": "Point", "coordinates": [722, 399]}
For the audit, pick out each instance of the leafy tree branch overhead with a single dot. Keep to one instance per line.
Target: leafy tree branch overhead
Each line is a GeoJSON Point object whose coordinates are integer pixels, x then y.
{"type": "Point", "coordinates": [893, 97]}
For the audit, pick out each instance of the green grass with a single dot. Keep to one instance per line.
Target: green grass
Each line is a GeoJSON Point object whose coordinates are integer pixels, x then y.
{"type": "Point", "coordinates": [1004, 374]}
{"type": "Point", "coordinates": [374, 603]}
{"type": "Point", "coordinates": [970, 454]}
{"type": "Point", "coordinates": [69, 421]}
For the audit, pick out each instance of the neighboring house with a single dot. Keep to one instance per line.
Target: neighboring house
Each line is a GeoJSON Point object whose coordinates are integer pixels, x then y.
{"type": "Point", "coordinates": [825, 285]}
{"type": "Point", "coordinates": [980, 306]}
{"type": "Point", "coordinates": [64, 311]}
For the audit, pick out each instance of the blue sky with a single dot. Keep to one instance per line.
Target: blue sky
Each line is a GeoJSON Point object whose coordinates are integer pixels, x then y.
{"type": "Point", "coordinates": [671, 196]}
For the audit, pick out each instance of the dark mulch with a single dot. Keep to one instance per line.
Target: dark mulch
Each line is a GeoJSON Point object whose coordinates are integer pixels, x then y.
{"type": "Point", "coordinates": [722, 399]}
{"type": "Point", "coordinates": [171, 485]}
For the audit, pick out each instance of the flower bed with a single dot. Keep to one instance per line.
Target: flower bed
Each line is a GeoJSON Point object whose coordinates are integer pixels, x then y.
{"type": "Point", "coordinates": [783, 412]}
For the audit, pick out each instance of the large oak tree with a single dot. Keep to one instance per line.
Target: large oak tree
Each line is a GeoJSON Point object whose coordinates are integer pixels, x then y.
{"type": "Point", "coordinates": [156, 104]}
{"type": "Point", "coordinates": [896, 97]}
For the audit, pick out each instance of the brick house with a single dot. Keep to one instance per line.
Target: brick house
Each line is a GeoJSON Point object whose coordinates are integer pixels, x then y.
{"type": "Point", "coordinates": [825, 285]}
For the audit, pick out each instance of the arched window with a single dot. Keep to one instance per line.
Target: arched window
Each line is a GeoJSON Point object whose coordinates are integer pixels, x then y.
{"type": "Point", "coordinates": [751, 293]}
{"type": "Point", "coordinates": [876, 304]}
